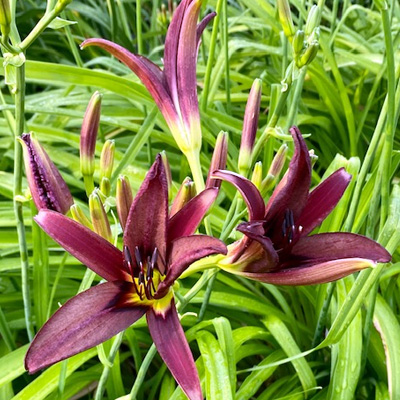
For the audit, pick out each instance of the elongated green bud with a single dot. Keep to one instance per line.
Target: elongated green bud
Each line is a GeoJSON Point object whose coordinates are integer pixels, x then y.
{"type": "Point", "coordinates": [107, 159]}
{"type": "Point", "coordinates": [105, 186]}
{"type": "Point", "coordinates": [48, 188]}
{"type": "Point", "coordinates": [5, 17]}
{"type": "Point", "coordinates": [285, 17]}
{"type": "Point", "coordinates": [79, 216]}
{"type": "Point", "coordinates": [257, 175]}
{"type": "Point", "coordinates": [90, 126]}
{"type": "Point", "coordinates": [309, 54]}
{"type": "Point", "coordinates": [279, 161]}
{"type": "Point", "coordinates": [218, 160]}
{"type": "Point", "coordinates": [250, 124]}
{"type": "Point", "coordinates": [186, 192]}
{"type": "Point", "coordinates": [313, 20]}
{"type": "Point", "coordinates": [298, 42]}
{"type": "Point", "coordinates": [124, 199]}
{"type": "Point", "coordinates": [99, 218]}
{"type": "Point", "coordinates": [60, 5]}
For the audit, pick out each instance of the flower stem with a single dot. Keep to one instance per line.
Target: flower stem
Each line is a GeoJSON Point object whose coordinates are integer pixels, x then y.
{"type": "Point", "coordinates": [23, 249]}
{"type": "Point", "coordinates": [139, 38]}
{"type": "Point", "coordinates": [106, 370]}
{"type": "Point", "coordinates": [296, 99]}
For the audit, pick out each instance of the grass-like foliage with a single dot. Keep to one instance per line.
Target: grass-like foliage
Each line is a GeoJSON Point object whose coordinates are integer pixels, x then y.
{"type": "Point", "coordinates": [159, 222]}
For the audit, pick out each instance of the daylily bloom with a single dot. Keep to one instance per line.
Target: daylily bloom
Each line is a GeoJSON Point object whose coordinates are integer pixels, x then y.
{"type": "Point", "coordinates": [48, 188]}
{"type": "Point", "coordinates": [157, 249]}
{"type": "Point", "coordinates": [174, 88]}
{"type": "Point", "coordinates": [277, 247]}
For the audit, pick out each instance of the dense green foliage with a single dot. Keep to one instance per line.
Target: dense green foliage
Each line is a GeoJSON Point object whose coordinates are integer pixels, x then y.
{"type": "Point", "coordinates": [347, 100]}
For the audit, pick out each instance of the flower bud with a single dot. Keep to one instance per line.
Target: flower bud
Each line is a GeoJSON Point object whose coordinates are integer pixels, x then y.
{"type": "Point", "coordinates": [99, 218]}
{"type": "Point", "coordinates": [107, 159]}
{"type": "Point", "coordinates": [298, 42]}
{"type": "Point", "coordinates": [285, 17]}
{"type": "Point", "coordinates": [313, 20]}
{"type": "Point", "coordinates": [124, 199]}
{"type": "Point", "coordinates": [105, 186]}
{"type": "Point", "coordinates": [60, 5]}
{"type": "Point", "coordinates": [167, 169]}
{"type": "Point", "coordinates": [218, 160]}
{"type": "Point", "coordinates": [279, 161]}
{"type": "Point", "coordinates": [48, 188]}
{"type": "Point", "coordinates": [313, 157]}
{"type": "Point", "coordinates": [5, 17]}
{"type": "Point", "coordinates": [90, 126]}
{"type": "Point", "coordinates": [186, 192]}
{"type": "Point", "coordinates": [79, 216]}
{"type": "Point", "coordinates": [250, 124]}
{"type": "Point", "coordinates": [309, 54]}
{"type": "Point", "coordinates": [256, 177]}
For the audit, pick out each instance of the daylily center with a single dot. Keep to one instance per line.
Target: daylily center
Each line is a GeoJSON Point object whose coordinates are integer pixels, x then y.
{"type": "Point", "coordinates": [290, 231]}
{"type": "Point", "coordinates": [146, 275]}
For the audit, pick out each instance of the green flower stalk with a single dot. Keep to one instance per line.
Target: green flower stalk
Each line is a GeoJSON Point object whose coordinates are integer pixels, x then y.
{"type": "Point", "coordinates": [90, 127]}
{"type": "Point", "coordinates": [48, 188]}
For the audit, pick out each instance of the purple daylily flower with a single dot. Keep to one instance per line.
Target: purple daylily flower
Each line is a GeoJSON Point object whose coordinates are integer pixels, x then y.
{"type": "Point", "coordinates": [157, 249]}
{"type": "Point", "coordinates": [277, 247]}
{"type": "Point", "coordinates": [174, 88]}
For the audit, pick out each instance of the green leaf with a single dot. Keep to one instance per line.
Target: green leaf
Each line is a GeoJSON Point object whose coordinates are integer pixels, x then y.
{"type": "Point", "coordinates": [12, 365]}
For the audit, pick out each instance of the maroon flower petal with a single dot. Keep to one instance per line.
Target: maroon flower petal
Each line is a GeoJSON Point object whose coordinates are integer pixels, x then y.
{"type": "Point", "coordinates": [146, 225]}
{"type": "Point", "coordinates": [171, 343]}
{"type": "Point", "coordinates": [84, 321]}
{"type": "Point", "coordinates": [149, 73]}
{"type": "Point", "coordinates": [310, 275]}
{"type": "Point", "coordinates": [292, 191]}
{"type": "Point", "coordinates": [248, 190]}
{"type": "Point", "coordinates": [187, 219]}
{"type": "Point", "coordinates": [254, 230]}
{"type": "Point", "coordinates": [186, 250]}
{"type": "Point", "coordinates": [334, 246]}
{"type": "Point", "coordinates": [322, 200]}
{"type": "Point", "coordinates": [89, 248]}
{"type": "Point", "coordinates": [186, 68]}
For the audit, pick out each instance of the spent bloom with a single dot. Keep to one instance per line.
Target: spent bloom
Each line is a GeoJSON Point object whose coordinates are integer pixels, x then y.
{"type": "Point", "coordinates": [48, 188]}
{"type": "Point", "coordinates": [157, 249]}
{"type": "Point", "coordinates": [174, 89]}
{"type": "Point", "coordinates": [277, 247]}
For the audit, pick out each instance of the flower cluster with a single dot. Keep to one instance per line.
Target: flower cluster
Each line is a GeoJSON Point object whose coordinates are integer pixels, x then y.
{"type": "Point", "coordinates": [159, 242]}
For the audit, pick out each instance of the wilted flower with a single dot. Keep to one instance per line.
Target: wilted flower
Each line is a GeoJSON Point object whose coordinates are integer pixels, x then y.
{"type": "Point", "coordinates": [173, 88]}
{"type": "Point", "coordinates": [157, 249]}
{"type": "Point", "coordinates": [277, 247]}
{"type": "Point", "coordinates": [48, 188]}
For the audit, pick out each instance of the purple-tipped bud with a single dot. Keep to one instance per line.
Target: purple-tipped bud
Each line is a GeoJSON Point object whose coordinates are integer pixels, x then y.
{"type": "Point", "coordinates": [186, 192]}
{"type": "Point", "coordinates": [90, 126]}
{"type": "Point", "coordinates": [274, 170]}
{"type": "Point", "coordinates": [250, 124]}
{"type": "Point", "coordinates": [5, 17]}
{"type": "Point", "coordinates": [124, 199]}
{"type": "Point", "coordinates": [167, 169]}
{"type": "Point", "coordinates": [218, 160]}
{"type": "Point", "coordinates": [257, 175]}
{"type": "Point", "coordinates": [285, 17]}
{"type": "Point", "coordinates": [79, 216]}
{"type": "Point", "coordinates": [99, 218]}
{"type": "Point", "coordinates": [48, 188]}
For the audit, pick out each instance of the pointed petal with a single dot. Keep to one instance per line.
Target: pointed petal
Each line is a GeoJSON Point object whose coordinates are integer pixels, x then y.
{"type": "Point", "coordinates": [185, 251]}
{"type": "Point", "coordinates": [186, 71]}
{"type": "Point", "coordinates": [171, 343]}
{"type": "Point", "coordinates": [48, 188]}
{"type": "Point", "coordinates": [292, 191]}
{"type": "Point", "coordinates": [248, 190]}
{"type": "Point", "coordinates": [202, 25]}
{"type": "Point", "coordinates": [323, 199]}
{"type": "Point", "coordinates": [171, 50]}
{"type": "Point", "coordinates": [146, 225]}
{"type": "Point", "coordinates": [311, 275]}
{"type": "Point", "coordinates": [333, 246]}
{"type": "Point", "coordinates": [255, 231]}
{"type": "Point", "coordinates": [88, 247]}
{"type": "Point", "coordinates": [187, 219]}
{"type": "Point", "coordinates": [149, 73]}
{"type": "Point", "coordinates": [84, 321]}
{"type": "Point", "coordinates": [218, 160]}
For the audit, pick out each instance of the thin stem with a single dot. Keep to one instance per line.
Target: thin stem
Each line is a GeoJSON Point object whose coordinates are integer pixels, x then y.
{"type": "Point", "coordinates": [194, 163]}
{"type": "Point", "coordinates": [207, 294]}
{"type": "Point", "coordinates": [23, 249]}
{"type": "Point", "coordinates": [296, 99]}
{"type": "Point", "coordinates": [139, 39]}
{"type": "Point", "coordinates": [226, 51]}
{"type": "Point", "coordinates": [107, 368]}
